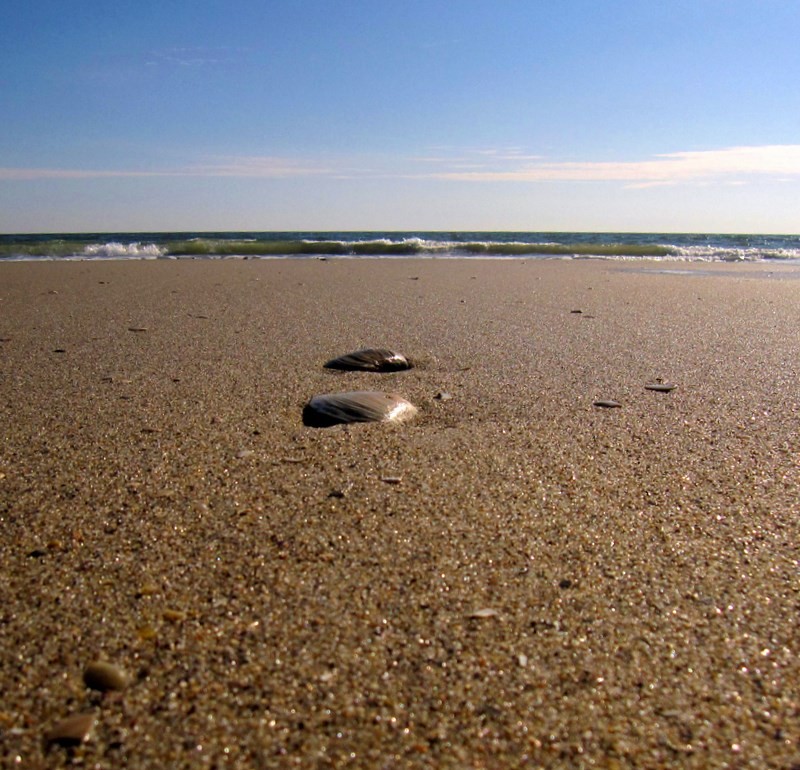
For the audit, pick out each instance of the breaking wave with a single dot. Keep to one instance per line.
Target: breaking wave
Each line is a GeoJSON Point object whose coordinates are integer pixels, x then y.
{"type": "Point", "coordinates": [622, 246]}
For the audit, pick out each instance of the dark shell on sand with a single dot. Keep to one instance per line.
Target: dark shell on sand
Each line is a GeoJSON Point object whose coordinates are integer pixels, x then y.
{"type": "Point", "coordinates": [370, 360]}
{"type": "Point", "coordinates": [607, 403]}
{"type": "Point", "coordinates": [358, 406]}
{"type": "Point", "coordinates": [72, 731]}
{"type": "Point", "coordinates": [104, 676]}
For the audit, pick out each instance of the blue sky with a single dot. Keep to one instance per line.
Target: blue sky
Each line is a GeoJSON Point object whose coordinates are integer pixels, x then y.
{"type": "Point", "coordinates": [607, 115]}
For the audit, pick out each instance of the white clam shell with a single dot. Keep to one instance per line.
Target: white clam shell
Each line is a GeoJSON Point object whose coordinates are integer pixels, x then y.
{"type": "Point", "coordinates": [357, 406]}
{"type": "Point", "coordinates": [370, 360]}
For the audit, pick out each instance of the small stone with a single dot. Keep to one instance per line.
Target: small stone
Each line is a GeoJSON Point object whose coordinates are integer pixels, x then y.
{"type": "Point", "coordinates": [147, 589]}
{"type": "Point", "coordinates": [391, 479]}
{"type": "Point", "coordinates": [104, 676]}
{"type": "Point", "coordinates": [174, 616]}
{"type": "Point", "coordinates": [243, 453]}
{"type": "Point", "coordinates": [607, 403]}
{"type": "Point", "coordinates": [443, 396]}
{"type": "Point", "coordinates": [137, 328]}
{"type": "Point", "coordinates": [146, 633]}
{"type": "Point", "coordinates": [71, 731]}
{"type": "Point", "coordinates": [486, 612]}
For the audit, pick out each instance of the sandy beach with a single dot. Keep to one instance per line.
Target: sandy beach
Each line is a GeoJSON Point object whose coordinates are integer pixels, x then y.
{"type": "Point", "coordinates": [515, 578]}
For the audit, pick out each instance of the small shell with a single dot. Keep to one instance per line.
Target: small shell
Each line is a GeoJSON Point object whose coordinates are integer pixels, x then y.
{"type": "Point", "coordinates": [358, 406]}
{"type": "Point", "coordinates": [486, 612]}
{"type": "Point", "coordinates": [660, 387]}
{"type": "Point", "coordinates": [104, 676]}
{"type": "Point", "coordinates": [605, 403]}
{"type": "Point", "coordinates": [71, 731]}
{"type": "Point", "coordinates": [370, 360]}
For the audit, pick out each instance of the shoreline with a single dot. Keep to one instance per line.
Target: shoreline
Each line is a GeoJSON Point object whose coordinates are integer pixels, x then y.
{"type": "Point", "coordinates": [540, 582]}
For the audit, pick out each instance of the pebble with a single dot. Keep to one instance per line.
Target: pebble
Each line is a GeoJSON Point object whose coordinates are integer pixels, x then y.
{"type": "Point", "coordinates": [104, 676]}
{"type": "Point", "coordinates": [486, 612]}
{"type": "Point", "coordinates": [605, 403]}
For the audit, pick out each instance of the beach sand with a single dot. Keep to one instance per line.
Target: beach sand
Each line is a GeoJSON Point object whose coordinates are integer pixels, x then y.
{"type": "Point", "coordinates": [514, 578]}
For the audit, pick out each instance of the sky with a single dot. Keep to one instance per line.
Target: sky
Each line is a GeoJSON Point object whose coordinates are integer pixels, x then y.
{"type": "Point", "coordinates": [526, 115]}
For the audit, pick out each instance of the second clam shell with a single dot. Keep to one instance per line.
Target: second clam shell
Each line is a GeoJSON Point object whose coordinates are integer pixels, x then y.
{"type": "Point", "coordinates": [370, 360]}
{"type": "Point", "coordinates": [358, 406]}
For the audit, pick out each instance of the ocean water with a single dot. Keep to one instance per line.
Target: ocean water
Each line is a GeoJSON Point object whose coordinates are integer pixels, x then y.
{"type": "Point", "coordinates": [436, 245]}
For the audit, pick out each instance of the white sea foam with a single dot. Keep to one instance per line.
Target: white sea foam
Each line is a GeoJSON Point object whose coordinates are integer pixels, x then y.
{"type": "Point", "coordinates": [116, 250]}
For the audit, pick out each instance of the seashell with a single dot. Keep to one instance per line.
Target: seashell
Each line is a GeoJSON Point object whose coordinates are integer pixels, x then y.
{"type": "Point", "coordinates": [370, 360]}
{"type": "Point", "coordinates": [486, 612]}
{"type": "Point", "coordinates": [358, 406]}
{"type": "Point", "coordinates": [104, 676]}
{"type": "Point", "coordinates": [606, 403]}
{"type": "Point", "coordinates": [71, 731]}
{"type": "Point", "coordinates": [660, 387]}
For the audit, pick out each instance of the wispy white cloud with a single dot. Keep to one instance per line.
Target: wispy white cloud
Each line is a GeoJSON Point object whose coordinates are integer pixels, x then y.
{"type": "Point", "coordinates": [731, 165]}
{"type": "Point", "coordinates": [265, 166]}
{"type": "Point", "coordinates": [33, 174]}
{"type": "Point", "coordinates": [194, 56]}
{"type": "Point", "coordinates": [779, 161]}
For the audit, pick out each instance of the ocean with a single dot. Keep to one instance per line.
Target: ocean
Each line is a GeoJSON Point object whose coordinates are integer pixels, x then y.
{"type": "Point", "coordinates": [439, 245]}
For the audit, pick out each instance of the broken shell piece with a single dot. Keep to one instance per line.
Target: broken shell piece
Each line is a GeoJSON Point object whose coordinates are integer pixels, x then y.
{"type": "Point", "coordinates": [71, 731]}
{"type": "Point", "coordinates": [358, 406]}
{"type": "Point", "coordinates": [370, 360]}
{"type": "Point", "coordinates": [486, 612]}
{"type": "Point", "coordinates": [104, 676]}
{"type": "Point", "coordinates": [660, 387]}
{"type": "Point", "coordinates": [607, 403]}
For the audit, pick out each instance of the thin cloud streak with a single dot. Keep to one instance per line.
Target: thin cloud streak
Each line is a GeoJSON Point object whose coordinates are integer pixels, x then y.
{"type": "Point", "coordinates": [729, 165]}
{"type": "Point", "coordinates": [35, 174]}
{"type": "Point", "coordinates": [669, 168]}
{"type": "Point", "coordinates": [256, 167]}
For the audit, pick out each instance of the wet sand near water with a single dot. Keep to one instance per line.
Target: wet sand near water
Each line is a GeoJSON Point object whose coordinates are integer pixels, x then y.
{"type": "Point", "coordinates": [515, 577]}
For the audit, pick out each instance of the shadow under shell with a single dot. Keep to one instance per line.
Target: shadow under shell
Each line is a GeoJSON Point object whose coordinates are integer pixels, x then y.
{"type": "Point", "coordinates": [370, 360]}
{"type": "Point", "coordinates": [358, 406]}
